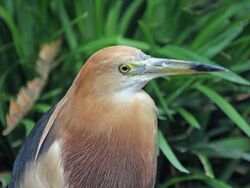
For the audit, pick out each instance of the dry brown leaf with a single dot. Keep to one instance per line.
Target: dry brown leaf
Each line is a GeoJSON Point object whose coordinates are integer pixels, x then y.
{"type": "Point", "coordinates": [46, 59]}
{"type": "Point", "coordinates": [28, 95]}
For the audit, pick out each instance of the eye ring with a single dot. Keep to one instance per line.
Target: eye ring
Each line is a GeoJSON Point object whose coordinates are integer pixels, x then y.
{"type": "Point", "coordinates": [123, 68]}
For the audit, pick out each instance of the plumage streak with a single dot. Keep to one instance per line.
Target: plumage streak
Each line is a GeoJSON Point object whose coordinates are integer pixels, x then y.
{"type": "Point", "coordinates": [107, 149]}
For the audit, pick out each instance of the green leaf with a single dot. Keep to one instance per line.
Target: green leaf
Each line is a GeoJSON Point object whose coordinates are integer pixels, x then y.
{"type": "Point", "coordinates": [226, 107]}
{"type": "Point", "coordinates": [51, 94]}
{"type": "Point", "coordinates": [213, 27]}
{"type": "Point", "coordinates": [206, 164]}
{"type": "Point", "coordinates": [179, 90]}
{"type": "Point", "coordinates": [213, 182]}
{"type": "Point", "coordinates": [240, 143]}
{"type": "Point", "coordinates": [128, 15]}
{"type": "Point", "coordinates": [241, 67]}
{"type": "Point", "coordinates": [169, 153]}
{"type": "Point", "coordinates": [147, 33]}
{"type": "Point", "coordinates": [80, 13]}
{"type": "Point", "coordinates": [229, 170]}
{"type": "Point", "coordinates": [113, 18]}
{"type": "Point", "coordinates": [5, 177]}
{"type": "Point", "coordinates": [218, 43]}
{"type": "Point", "coordinates": [189, 118]}
{"type": "Point", "coordinates": [13, 30]}
{"type": "Point", "coordinates": [157, 91]}
{"type": "Point", "coordinates": [229, 148]}
{"type": "Point", "coordinates": [218, 23]}
{"type": "Point", "coordinates": [77, 20]}
{"type": "Point", "coordinates": [28, 124]}
{"type": "Point", "coordinates": [70, 35]}
{"type": "Point", "coordinates": [99, 16]}
{"type": "Point", "coordinates": [42, 107]}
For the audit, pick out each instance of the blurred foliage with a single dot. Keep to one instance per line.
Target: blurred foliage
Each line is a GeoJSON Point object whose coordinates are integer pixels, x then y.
{"type": "Point", "coordinates": [204, 119]}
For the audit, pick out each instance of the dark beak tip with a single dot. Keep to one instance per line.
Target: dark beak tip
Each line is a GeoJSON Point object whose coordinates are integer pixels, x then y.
{"type": "Point", "coordinates": [218, 68]}
{"type": "Point", "coordinates": [207, 68]}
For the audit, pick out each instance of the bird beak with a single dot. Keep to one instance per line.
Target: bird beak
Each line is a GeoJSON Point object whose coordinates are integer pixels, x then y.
{"type": "Point", "coordinates": [163, 67]}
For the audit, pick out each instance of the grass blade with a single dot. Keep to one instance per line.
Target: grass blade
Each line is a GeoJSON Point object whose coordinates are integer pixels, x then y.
{"type": "Point", "coordinates": [226, 107]}
{"type": "Point", "coordinates": [112, 19]}
{"type": "Point", "coordinates": [218, 43]}
{"type": "Point", "coordinates": [128, 15]}
{"type": "Point", "coordinates": [70, 35]}
{"type": "Point", "coordinates": [206, 164]}
{"type": "Point", "coordinates": [213, 182]}
{"type": "Point", "coordinates": [13, 30]}
{"type": "Point", "coordinates": [99, 16]}
{"type": "Point", "coordinates": [161, 99]}
{"type": "Point", "coordinates": [169, 153]}
{"type": "Point", "coordinates": [189, 118]}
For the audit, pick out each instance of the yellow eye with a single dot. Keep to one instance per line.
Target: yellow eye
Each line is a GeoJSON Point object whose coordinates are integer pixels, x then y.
{"type": "Point", "coordinates": [123, 68]}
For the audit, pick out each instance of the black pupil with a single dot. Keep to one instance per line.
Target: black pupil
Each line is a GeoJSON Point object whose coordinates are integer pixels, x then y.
{"type": "Point", "coordinates": [124, 68]}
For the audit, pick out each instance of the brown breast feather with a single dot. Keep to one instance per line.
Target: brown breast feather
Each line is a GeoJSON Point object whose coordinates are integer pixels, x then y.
{"type": "Point", "coordinates": [112, 148]}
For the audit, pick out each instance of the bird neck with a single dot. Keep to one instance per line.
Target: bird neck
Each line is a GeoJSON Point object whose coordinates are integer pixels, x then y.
{"type": "Point", "coordinates": [122, 112]}
{"type": "Point", "coordinates": [119, 136]}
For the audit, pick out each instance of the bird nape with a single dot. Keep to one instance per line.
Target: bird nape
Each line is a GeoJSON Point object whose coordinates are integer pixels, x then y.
{"type": "Point", "coordinates": [102, 133]}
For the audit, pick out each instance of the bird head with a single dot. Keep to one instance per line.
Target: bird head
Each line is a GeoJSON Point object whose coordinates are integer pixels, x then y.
{"type": "Point", "coordinates": [125, 70]}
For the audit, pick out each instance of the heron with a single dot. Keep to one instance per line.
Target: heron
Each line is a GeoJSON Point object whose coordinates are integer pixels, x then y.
{"type": "Point", "coordinates": [103, 132]}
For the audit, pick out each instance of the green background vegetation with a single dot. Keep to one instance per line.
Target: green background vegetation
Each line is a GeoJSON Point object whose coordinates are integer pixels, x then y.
{"type": "Point", "coordinates": [204, 119]}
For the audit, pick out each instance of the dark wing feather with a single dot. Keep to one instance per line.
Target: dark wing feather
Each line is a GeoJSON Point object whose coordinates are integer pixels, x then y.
{"type": "Point", "coordinates": [28, 151]}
